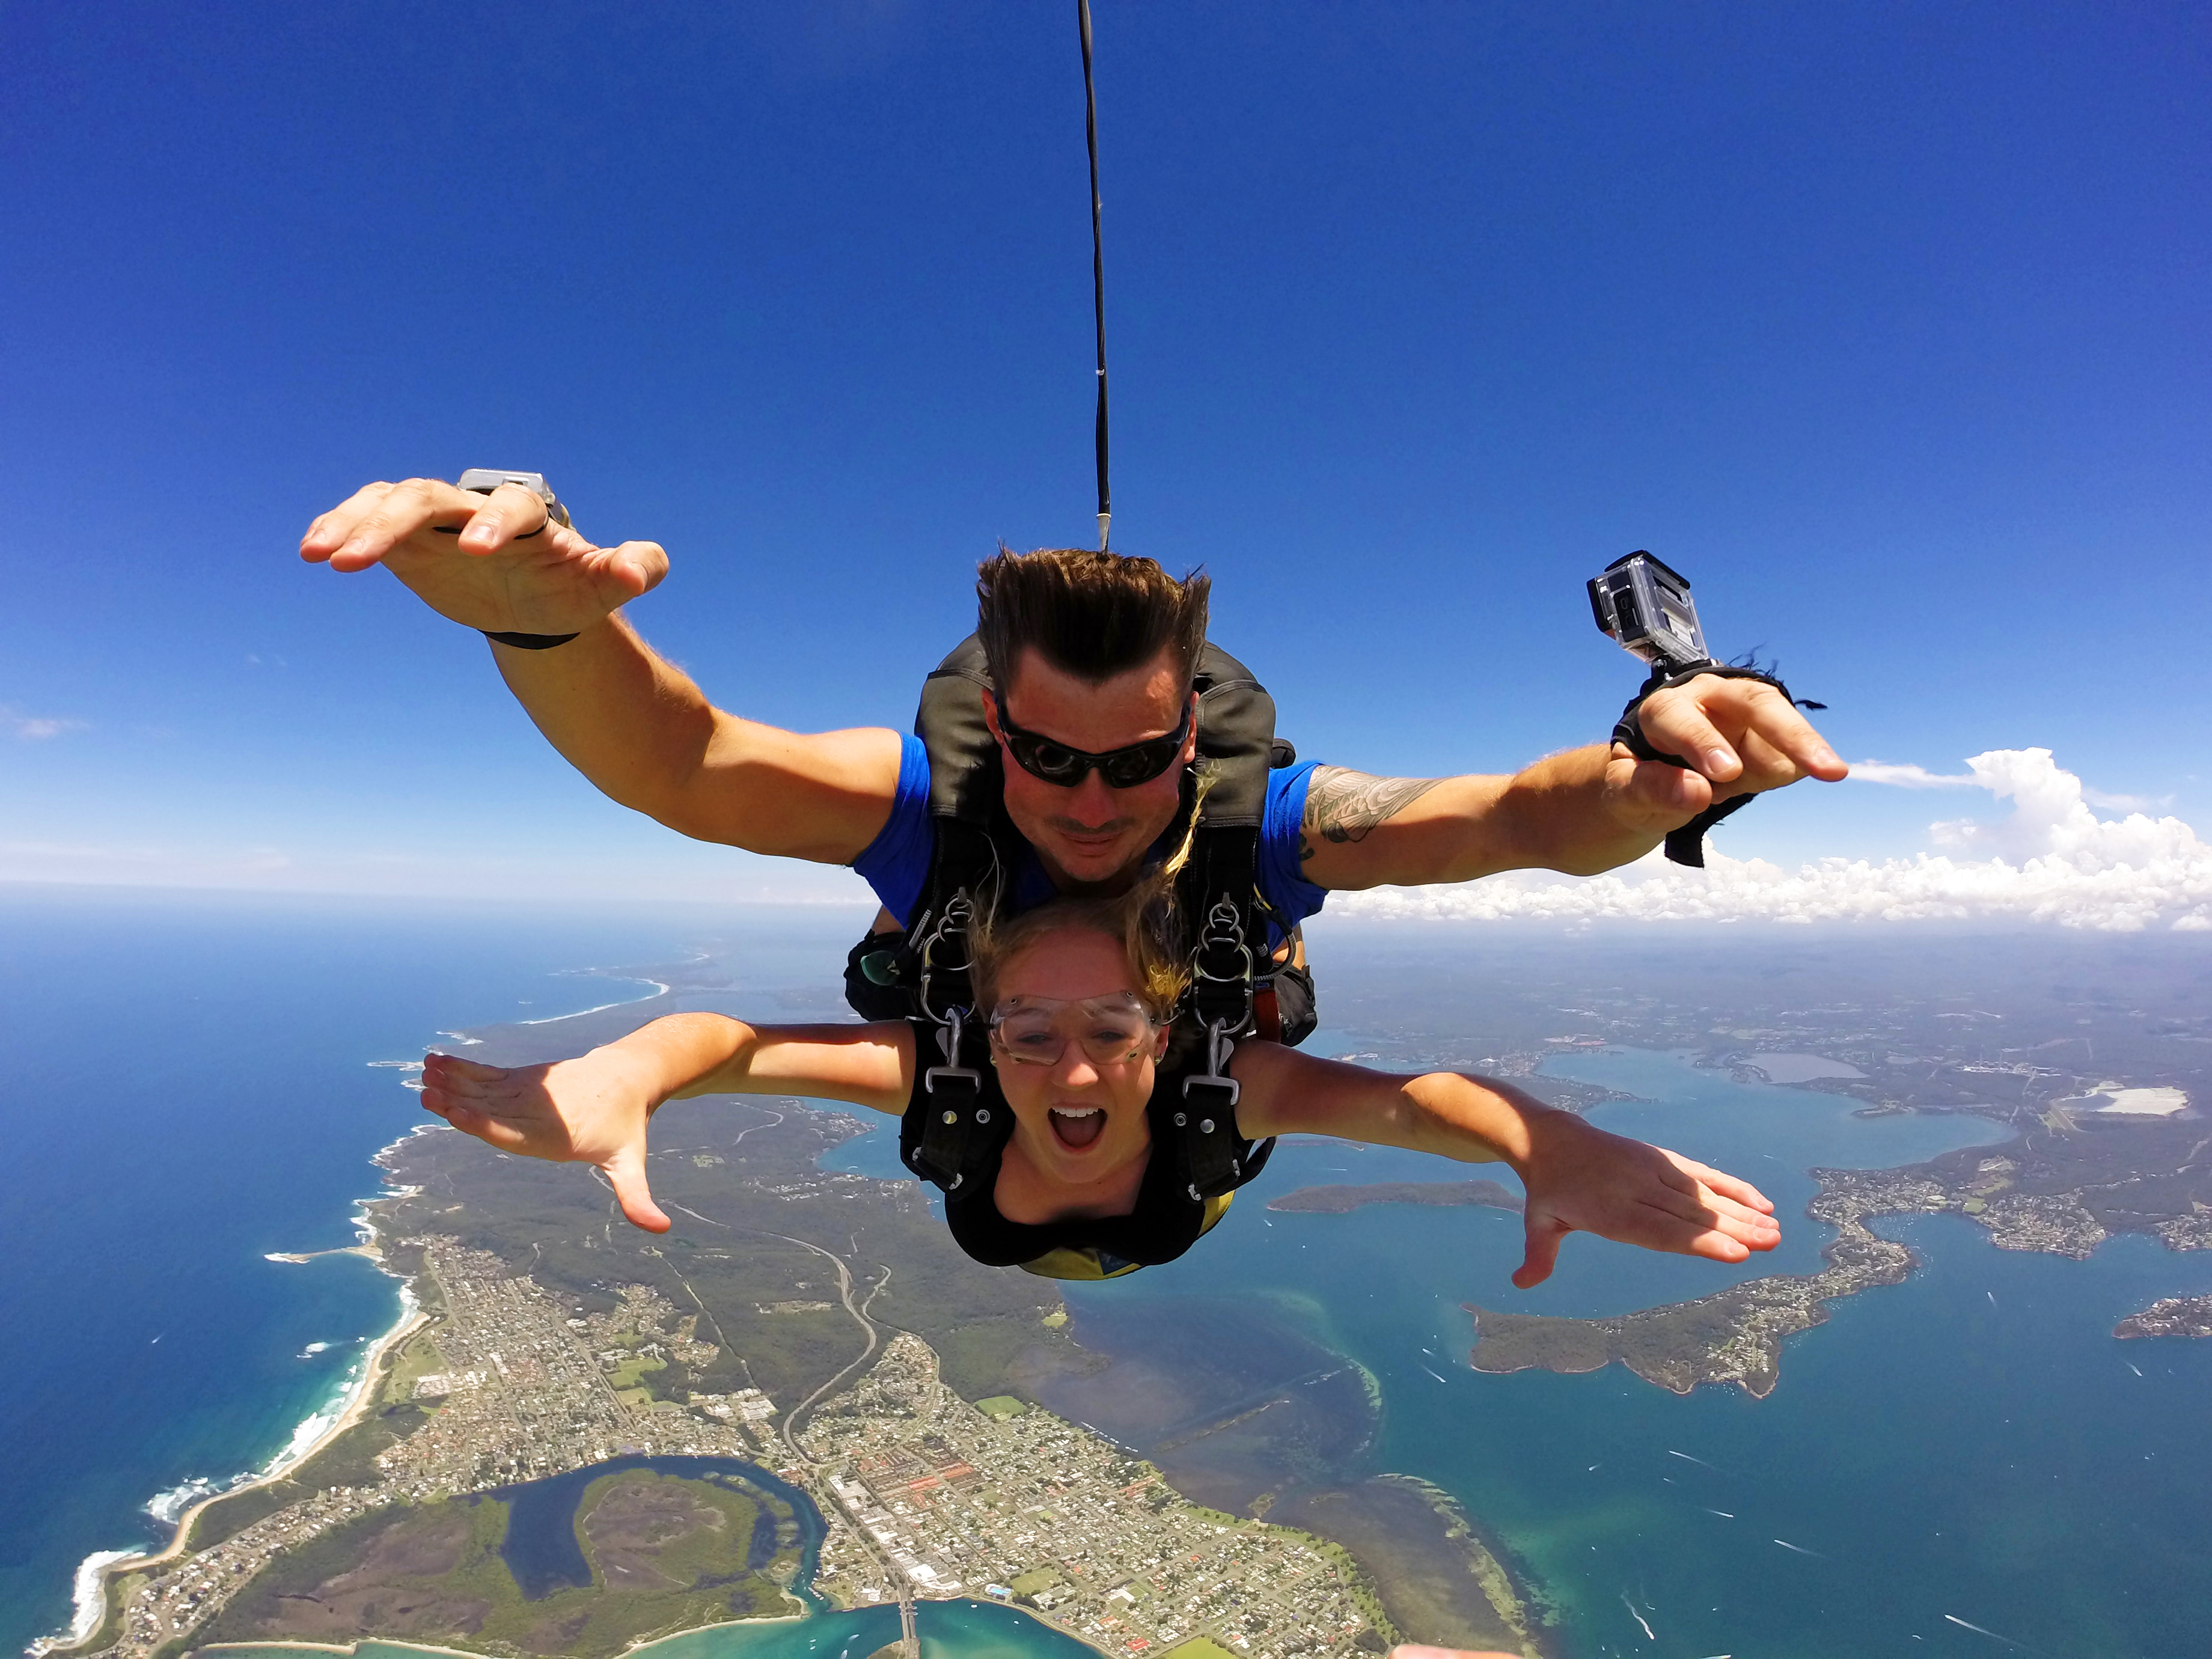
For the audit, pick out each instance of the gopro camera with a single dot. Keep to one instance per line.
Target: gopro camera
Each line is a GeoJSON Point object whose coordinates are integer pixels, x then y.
{"type": "Point", "coordinates": [1647, 608]}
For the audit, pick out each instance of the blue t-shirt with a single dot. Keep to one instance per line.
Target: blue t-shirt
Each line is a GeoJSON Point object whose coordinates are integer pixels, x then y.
{"type": "Point", "coordinates": [897, 862]}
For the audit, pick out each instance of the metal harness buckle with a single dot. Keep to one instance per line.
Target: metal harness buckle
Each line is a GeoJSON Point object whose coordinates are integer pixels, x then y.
{"type": "Point", "coordinates": [1209, 1157]}
{"type": "Point", "coordinates": [948, 1043]}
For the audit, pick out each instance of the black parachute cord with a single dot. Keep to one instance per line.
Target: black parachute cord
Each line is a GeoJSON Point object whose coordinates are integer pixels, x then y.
{"type": "Point", "coordinates": [1097, 264]}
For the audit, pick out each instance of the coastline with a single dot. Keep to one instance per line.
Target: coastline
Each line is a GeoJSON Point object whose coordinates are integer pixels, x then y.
{"type": "Point", "coordinates": [347, 1404]}
{"type": "Point", "coordinates": [179, 1507]}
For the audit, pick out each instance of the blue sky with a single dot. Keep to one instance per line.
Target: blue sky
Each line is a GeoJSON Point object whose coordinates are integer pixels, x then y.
{"type": "Point", "coordinates": [1885, 323]}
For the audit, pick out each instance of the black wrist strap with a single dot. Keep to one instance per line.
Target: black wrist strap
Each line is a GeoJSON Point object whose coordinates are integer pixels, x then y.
{"type": "Point", "coordinates": [1687, 844]}
{"type": "Point", "coordinates": [527, 642]}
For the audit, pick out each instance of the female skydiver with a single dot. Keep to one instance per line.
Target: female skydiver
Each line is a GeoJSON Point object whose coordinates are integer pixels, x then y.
{"type": "Point", "coordinates": [1081, 994]}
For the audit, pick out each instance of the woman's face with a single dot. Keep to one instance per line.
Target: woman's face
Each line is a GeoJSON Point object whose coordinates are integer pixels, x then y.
{"type": "Point", "coordinates": [1080, 1121]}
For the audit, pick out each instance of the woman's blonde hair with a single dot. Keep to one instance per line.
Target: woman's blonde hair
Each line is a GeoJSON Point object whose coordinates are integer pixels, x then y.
{"type": "Point", "coordinates": [1143, 920]}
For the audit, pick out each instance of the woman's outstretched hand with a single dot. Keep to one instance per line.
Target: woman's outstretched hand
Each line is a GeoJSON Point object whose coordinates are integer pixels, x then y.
{"type": "Point", "coordinates": [592, 1109]}
{"type": "Point", "coordinates": [1581, 1179]}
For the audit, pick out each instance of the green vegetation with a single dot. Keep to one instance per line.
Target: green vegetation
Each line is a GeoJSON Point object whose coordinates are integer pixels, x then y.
{"type": "Point", "coordinates": [666, 1553]}
{"type": "Point", "coordinates": [416, 1358]}
{"type": "Point", "coordinates": [734, 1269]}
{"type": "Point", "coordinates": [1198, 1648]}
{"type": "Point", "coordinates": [1000, 1406]}
{"type": "Point", "coordinates": [631, 1372]}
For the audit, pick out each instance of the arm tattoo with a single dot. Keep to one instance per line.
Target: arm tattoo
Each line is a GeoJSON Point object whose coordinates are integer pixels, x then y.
{"type": "Point", "coordinates": [1343, 806]}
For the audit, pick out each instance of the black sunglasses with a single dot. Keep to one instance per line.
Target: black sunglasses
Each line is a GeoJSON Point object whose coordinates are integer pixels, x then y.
{"type": "Point", "coordinates": [1123, 768]}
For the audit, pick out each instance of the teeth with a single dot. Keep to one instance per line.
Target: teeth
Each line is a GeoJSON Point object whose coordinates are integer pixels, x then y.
{"type": "Point", "coordinates": [1077, 1111]}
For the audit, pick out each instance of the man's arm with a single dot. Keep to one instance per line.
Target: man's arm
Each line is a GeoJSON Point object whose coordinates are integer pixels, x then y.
{"type": "Point", "coordinates": [640, 729]}
{"type": "Point", "coordinates": [1579, 812]}
{"type": "Point", "coordinates": [629, 721]}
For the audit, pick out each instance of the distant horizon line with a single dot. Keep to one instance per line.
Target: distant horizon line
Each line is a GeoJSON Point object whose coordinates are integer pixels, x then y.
{"type": "Point", "coordinates": [25, 887]}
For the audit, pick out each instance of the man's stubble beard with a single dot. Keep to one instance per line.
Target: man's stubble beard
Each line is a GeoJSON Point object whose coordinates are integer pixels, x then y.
{"type": "Point", "coordinates": [1118, 880]}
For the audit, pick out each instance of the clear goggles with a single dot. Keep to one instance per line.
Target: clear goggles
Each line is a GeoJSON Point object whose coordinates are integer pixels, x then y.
{"type": "Point", "coordinates": [1036, 1030]}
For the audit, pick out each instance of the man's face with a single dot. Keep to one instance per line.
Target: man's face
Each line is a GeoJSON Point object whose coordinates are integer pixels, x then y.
{"type": "Point", "coordinates": [1090, 834]}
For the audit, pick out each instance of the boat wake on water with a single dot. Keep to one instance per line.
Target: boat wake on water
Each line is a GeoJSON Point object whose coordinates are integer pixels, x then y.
{"type": "Point", "coordinates": [1650, 1635]}
{"type": "Point", "coordinates": [1979, 1630]}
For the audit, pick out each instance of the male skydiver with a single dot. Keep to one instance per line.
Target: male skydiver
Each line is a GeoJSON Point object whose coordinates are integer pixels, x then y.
{"type": "Point", "coordinates": [1079, 730]}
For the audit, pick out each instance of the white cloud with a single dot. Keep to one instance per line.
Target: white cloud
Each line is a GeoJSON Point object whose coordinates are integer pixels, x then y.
{"type": "Point", "coordinates": [1908, 776]}
{"type": "Point", "coordinates": [35, 727]}
{"type": "Point", "coordinates": [2112, 803]}
{"type": "Point", "coordinates": [1905, 775]}
{"type": "Point", "coordinates": [2051, 861]}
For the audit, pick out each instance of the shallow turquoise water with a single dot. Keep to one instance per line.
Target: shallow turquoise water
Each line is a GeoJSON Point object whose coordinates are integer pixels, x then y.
{"type": "Point", "coordinates": [949, 1630]}
{"type": "Point", "coordinates": [1972, 1443]}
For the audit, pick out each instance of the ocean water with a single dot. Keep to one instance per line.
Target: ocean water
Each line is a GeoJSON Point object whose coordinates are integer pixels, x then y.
{"type": "Point", "coordinates": [194, 1083]}
{"type": "Point", "coordinates": [1972, 1443]}
{"type": "Point", "coordinates": [189, 1084]}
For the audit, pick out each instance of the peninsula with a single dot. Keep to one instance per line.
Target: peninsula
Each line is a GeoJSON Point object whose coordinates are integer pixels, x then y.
{"type": "Point", "coordinates": [586, 1437]}
{"type": "Point", "coordinates": [2064, 1187]}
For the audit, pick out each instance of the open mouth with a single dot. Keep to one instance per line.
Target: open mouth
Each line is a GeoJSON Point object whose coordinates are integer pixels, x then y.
{"type": "Point", "coordinates": [1077, 1127]}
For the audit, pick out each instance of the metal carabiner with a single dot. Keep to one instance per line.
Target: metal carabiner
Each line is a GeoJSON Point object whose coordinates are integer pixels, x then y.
{"type": "Point", "coordinates": [952, 925]}
{"type": "Point", "coordinates": [948, 1043]}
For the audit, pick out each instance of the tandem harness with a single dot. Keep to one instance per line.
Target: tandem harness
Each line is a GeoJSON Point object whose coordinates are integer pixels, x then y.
{"type": "Point", "coordinates": [1238, 987]}
{"type": "Point", "coordinates": [1177, 1205]}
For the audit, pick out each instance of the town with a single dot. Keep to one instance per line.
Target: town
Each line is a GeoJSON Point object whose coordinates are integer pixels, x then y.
{"type": "Point", "coordinates": [1001, 1500]}
{"type": "Point", "coordinates": [921, 1494]}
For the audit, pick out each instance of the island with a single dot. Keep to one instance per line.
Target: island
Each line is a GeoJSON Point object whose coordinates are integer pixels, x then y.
{"type": "Point", "coordinates": [2063, 1187]}
{"type": "Point", "coordinates": [1342, 1200]}
{"type": "Point", "coordinates": [2172, 1316]}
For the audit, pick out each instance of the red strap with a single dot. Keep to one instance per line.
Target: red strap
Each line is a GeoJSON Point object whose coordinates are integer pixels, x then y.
{"type": "Point", "coordinates": [1267, 1018]}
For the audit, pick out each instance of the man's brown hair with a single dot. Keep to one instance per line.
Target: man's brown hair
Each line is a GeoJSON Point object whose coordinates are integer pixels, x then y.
{"type": "Point", "coordinates": [1092, 614]}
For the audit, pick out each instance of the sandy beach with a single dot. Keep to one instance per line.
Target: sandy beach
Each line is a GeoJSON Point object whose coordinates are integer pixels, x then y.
{"type": "Point", "coordinates": [98, 1571]}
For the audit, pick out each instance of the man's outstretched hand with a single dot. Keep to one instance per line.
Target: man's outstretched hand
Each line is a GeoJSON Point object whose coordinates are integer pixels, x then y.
{"type": "Point", "coordinates": [509, 570]}
{"type": "Point", "coordinates": [1583, 1179]}
{"type": "Point", "coordinates": [592, 1109]}
{"type": "Point", "coordinates": [1741, 736]}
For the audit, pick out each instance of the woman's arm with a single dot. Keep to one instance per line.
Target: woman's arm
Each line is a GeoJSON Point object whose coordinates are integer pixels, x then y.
{"type": "Point", "coordinates": [1577, 1177]}
{"type": "Point", "coordinates": [594, 1108]}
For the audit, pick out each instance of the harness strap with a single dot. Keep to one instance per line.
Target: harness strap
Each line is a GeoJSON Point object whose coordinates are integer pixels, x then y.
{"type": "Point", "coordinates": [1207, 1118]}
{"type": "Point", "coordinates": [954, 1140]}
{"type": "Point", "coordinates": [1205, 1124]}
{"type": "Point", "coordinates": [1220, 896]}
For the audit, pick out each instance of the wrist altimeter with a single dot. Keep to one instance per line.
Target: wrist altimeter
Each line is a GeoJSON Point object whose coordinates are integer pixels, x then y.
{"type": "Point", "coordinates": [485, 479]}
